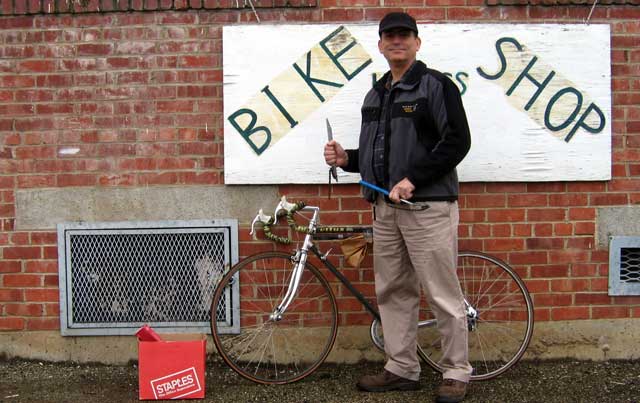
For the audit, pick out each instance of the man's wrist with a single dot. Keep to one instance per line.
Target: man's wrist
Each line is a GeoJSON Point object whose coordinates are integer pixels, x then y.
{"type": "Point", "coordinates": [346, 159]}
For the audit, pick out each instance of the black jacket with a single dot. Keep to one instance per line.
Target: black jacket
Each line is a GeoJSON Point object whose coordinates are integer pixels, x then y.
{"type": "Point", "coordinates": [426, 136]}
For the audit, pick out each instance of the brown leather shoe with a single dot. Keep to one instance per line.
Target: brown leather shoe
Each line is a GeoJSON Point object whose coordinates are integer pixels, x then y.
{"type": "Point", "coordinates": [386, 381]}
{"type": "Point", "coordinates": [451, 391]}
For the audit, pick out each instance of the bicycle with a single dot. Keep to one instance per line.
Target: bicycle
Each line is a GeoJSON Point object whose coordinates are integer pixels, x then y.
{"type": "Point", "coordinates": [289, 316]}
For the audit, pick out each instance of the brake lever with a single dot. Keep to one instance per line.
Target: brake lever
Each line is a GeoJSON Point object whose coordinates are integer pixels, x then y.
{"type": "Point", "coordinates": [283, 205]}
{"type": "Point", "coordinates": [261, 218]}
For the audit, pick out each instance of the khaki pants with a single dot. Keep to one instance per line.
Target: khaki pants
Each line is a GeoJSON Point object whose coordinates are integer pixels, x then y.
{"type": "Point", "coordinates": [413, 248]}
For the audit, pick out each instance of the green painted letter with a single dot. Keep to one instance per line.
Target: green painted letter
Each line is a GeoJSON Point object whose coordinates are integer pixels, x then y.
{"type": "Point", "coordinates": [250, 129]}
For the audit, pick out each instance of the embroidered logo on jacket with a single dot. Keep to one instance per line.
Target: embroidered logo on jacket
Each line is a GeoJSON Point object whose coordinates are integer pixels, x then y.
{"type": "Point", "coordinates": [409, 108]}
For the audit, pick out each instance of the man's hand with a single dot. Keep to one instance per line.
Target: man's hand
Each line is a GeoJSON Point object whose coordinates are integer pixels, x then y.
{"type": "Point", "coordinates": [402, 190]}
{"type": "Point", "coordinates": [334, 154]}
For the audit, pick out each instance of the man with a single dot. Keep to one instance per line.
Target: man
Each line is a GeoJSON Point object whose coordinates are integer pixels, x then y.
{"type": "Point", "coordinates": [414, 132]}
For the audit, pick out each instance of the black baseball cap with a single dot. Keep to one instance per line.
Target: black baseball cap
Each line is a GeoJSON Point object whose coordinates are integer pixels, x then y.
{"type": "Point", "coordinates": [397, 20]}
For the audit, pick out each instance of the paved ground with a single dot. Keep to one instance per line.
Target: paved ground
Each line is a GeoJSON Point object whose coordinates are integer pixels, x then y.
{"type": "Point", "coordinates": [548, 381]}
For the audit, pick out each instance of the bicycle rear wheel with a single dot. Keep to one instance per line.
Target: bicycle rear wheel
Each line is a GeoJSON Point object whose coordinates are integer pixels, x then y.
{"type": "Point", "coordinates": [500, 329]}
{"type": "Point", "coordinates": [263, 349]}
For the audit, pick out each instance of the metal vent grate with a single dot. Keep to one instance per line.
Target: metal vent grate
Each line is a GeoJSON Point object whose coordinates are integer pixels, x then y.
{"type": "Point", "coordinates": [624, 265]}
{"type": "Point", "coordinates": [114, 277]}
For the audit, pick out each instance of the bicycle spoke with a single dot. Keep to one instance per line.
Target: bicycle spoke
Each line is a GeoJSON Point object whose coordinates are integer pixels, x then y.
{"type": "Point", "coordinates": [504, 325]}
{"type": "Point", "coordinates": [484, 360]}
{"type": "Point", "coordinates": [284, 350]}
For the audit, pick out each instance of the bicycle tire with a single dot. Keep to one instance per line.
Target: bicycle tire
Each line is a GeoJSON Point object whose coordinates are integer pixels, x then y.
{"type": "Point", "coordinates": [504, 325]}
{"type": "Point", "coordinates": [265, 350]}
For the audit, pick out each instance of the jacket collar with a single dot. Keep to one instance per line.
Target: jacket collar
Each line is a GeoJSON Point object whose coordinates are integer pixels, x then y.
{"type": "Point", "coordinates": [408, 81]}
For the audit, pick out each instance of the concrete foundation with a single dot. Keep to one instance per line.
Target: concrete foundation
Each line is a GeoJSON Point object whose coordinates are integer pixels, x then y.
{"type": "Point", "coordinates": [588, 340]}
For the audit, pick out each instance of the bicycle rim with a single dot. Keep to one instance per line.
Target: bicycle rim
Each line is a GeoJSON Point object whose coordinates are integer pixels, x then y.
{"type": "Point", "coordinates": [503, 328]}
{"type": "Point", "coordinates": [262, 349]}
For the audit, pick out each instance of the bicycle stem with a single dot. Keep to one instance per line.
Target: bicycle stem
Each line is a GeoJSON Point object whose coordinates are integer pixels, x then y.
{"type": "Point", "coordinates": [302, 255]}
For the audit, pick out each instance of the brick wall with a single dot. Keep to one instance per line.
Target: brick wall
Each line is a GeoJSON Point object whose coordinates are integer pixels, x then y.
{"type": "Point", "coordinates": [139, 95]}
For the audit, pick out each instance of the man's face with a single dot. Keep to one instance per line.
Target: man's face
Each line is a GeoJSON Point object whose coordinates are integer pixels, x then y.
{"type": "Point", "coordinates": [399, 45]}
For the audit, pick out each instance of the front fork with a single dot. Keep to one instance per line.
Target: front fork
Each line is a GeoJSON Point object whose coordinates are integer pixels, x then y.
{"type": "Point", "coordinates": [300, 260]}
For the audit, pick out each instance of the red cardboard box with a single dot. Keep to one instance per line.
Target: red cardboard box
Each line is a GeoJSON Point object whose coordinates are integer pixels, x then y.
{"type": "Point", "coordinates": [171, 369]}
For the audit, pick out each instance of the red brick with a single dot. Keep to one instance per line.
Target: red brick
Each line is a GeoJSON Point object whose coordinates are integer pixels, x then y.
{"type": "Point", "coordinates": [605, 199]}
{"type": "Point", "coordinates": [50, 252]}
{"type": "Point", "coordinates": [570, 313]}
{"type": "Point", "coordinates": [504, 244]}
{"type": "Point", "coordinates": [427, 14]}
{"type": "Point", "coordinates": [166, 178]}
{"type": "Point", "coordinates": [541, 314]}
{"type": "Point", "coordinates": [65, 180]}
{"type": "Point", "coordinates": [10, 266]}
{"type": "Point", "coordinates": [11, 323]}
{"type": "Point", "coordinates": [618, 185]}
{"type": "Point", "coordinates": [484, 201]}
{"type": "Point", "coordinates": [22, 280]}
{"type": "Point", "coordinates": [506, 215]}
{"type": "Point", "coordinates": [540, 300]}
{"type": "Point", "coordinates": [548, 214]}
{"type": "Point", "coordinates": [341, 218]}
{"type": "Point", "coordinates": [41, 266]}
{"type": "Point", "coordinates": [599, 284]}
{"type": "Point", "coordinates": [52, 309]}
{"type": "Point", "coordinates": [527, 200]}
{"type": "Point", "coordinates": [568, 199]}
{"type": "Point", "coordinates": [41, 295]}
{"type": "Point", "coordinates": [550, 271]}
{"type": "Point", "coordinates": [43, 324]}
{"type": "Point", "coordinates": [579, 213]}
{"type": "Point", "coordinates": [501, 230]}
{"type": "Point", "coordinates": [624, 13]}
{"type": "Point", "coordinates": [569, 256]}
{"type": "Point", "coordinates": [546, 187]}
{"type": "Point", "coordinates": [581, 242]}
{"type": "Point", "coordinates": [41, 238]}
{"type": "Point", "coordinates": [7, 210]}
{"type": "Point", "coordinates": [21, 252]}
{"type": "Point", "coordinates": [11, 295]}
{"type": "Point", "coordinates": [543, 230]}
{"type": "Point", "coordinates": [563, 229]}
{"type": "Point", "coordinates": [51, 281]}
{"type": "Point", "coordinates": [608, 312]}
{"type": "Point", "coordinates": [24, 309]}
{"type": "Point", "coordinates": [352, 203]}
{"type": "Point", "coordinates": [205, 178]}
{"type": "Point", "coordinates": [522, 230]}
{"type": "Point", "coordinates": [586, 187]}
{"type": "Point", "coordinates": [36, 66]}
{"type": "Point", "coordinates": [471, 244]}
{"type": "Point", "coordinates": [584, 270]}
{"type": "Point", "coordinates": [465, 13]}
{"type": "Point", "coordinates": [198, 148]}
{"type": "Point", "coordinates": [473, 216]}
{"type": "Point", "coordinates": [529, 257]}
{"type": "Point", "coordinates": [349, 305]}
{"type": "Point", "coordinates": [592, 299]}
{"type": "Point", "coordinates": [568, 285]}
{"type": "Point", "coordinates": [252, 248]}
{"type": "Point", "coordinates": [585, 228]}
{"type": "Point", "coordinates": [481, 230]}
{"type": "Point", "coordinates": [626, 300]}
{"type": "Point", "coordinates": [467, 188]}
{"type": "Point", "coordinates": [89, 49]}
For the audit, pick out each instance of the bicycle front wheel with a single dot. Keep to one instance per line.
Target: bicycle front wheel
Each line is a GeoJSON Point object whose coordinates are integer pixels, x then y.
{"type": "Point", "coordinates": [499, 317]}
{"type": "Point", "coordinates": [260, 347]}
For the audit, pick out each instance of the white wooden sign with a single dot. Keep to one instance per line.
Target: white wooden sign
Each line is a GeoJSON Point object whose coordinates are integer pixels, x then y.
{"type": "Point", "coordinates": [538, 98]}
